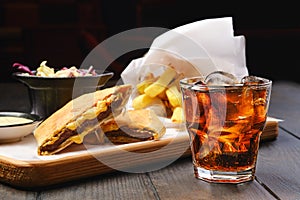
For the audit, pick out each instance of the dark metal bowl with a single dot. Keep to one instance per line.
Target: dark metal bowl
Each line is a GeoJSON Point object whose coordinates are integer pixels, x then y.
{"type": "Point", "coordinates": [48, 94]}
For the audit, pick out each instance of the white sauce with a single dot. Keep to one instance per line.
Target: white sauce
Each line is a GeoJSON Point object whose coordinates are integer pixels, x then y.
{"type": "Point", "coordinates": [9, 120]}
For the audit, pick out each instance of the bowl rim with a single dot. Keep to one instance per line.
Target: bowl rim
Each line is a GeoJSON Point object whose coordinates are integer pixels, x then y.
{"type": "Point", "coordinates": [24, 75]}
{"type": "Point", "coordinates": [39, 82]}
{"type": "Point", "coordinates": [35, 118]}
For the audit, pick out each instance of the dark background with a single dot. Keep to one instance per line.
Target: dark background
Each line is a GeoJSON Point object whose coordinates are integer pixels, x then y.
{"type": "Point", "coordinates": [63, 32]}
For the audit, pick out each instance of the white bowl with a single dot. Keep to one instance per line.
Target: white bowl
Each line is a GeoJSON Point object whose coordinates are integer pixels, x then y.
{"type": "Point", "coordinates": [15, 132]}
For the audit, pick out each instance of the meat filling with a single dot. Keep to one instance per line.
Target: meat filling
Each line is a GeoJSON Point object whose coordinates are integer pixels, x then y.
{"type": "Point", "coordinates": [128, 135]}
{"type": "Point", "coordinates": [67, 133]}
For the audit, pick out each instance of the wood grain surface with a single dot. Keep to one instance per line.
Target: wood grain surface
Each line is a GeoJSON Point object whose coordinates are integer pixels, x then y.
{"type": "Point", "coordinates": [277, 172]}
{"type": "Point", "coordinates": [145, 156]}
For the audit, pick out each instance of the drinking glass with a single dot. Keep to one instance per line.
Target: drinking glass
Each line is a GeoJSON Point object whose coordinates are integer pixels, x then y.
{"type": "Point", "coordinates": [224, 122]}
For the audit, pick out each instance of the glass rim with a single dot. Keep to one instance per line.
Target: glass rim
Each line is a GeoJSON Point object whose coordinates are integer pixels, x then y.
{"type": "Point", "coordinates": [183, 83]}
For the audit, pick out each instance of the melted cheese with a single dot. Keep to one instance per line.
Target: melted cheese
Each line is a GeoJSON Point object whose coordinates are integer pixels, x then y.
{"type": "Point", "coordinates": [91, 113]}
{"type": "Point", "coordinates": [78, 139]}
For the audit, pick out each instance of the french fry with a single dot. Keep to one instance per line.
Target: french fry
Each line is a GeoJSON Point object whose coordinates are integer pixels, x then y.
{"type": "Point", "coordinates": [143, 85]}
{"type": "Point", "coordinates": [177, 115]}
{"type": "Point", "coordinates": [148, 80]}
{"type": "Point", "coordinates": [160, 85]}
{"type": "Point", "coordinates": [161, 90]}
{"type": "Point", "coordinates": [163, 96]}
{"type": "Point", "coordinates": [142, 101]}
{"type": "Point", "coordinates": [174, 96]}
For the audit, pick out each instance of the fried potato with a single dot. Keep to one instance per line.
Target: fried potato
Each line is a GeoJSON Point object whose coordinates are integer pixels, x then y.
{"type": "Point", "coordinates": [143, 85]}
{"type": "Point", "coordinates": [148, 80]}
{"type": "Point", "coordinates": [160, 85]}
{"type": "Point", "coordinates": [177, 115]}
{"type": "Point", "coordinates": [162, 94]}
{"type": "Point", "coordinates": [174, 96]}
{"type": "Point", "coordinates": [142, 101]}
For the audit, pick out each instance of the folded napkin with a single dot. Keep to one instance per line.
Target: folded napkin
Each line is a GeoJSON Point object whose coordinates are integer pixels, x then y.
{"type": "Point", "coordinates": [197, 48]}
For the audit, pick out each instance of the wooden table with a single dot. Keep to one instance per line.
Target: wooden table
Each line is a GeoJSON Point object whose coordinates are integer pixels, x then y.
{"type": "Point", "coordinates": [277, 173]}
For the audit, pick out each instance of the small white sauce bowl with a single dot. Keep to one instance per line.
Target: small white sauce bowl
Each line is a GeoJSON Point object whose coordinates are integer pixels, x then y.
{"type": "Point", "coordinates": [15, 132]}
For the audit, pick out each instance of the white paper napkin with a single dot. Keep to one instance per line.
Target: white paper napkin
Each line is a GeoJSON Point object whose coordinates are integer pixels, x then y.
{"type": "Point", "coordinates": [198, 48]}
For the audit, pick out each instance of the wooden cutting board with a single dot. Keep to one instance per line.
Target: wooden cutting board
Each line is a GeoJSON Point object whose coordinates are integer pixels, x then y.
{"type": "Point", "coordinates": [270, 131]}
{"type": "Point", "coordinates": [21, 167]}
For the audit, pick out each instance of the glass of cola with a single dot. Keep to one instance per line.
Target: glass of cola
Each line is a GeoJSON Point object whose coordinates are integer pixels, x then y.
{"type": "Point", "coordinates": [224, 118]}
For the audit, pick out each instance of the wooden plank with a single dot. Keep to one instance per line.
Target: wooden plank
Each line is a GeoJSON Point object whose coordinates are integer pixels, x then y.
{"type": "Point", "coordinates": [82, 164]}
{"type": "Point", "coordinates": [26, 173]}
{"type": "Point", "coordinates": [278, 166]}
{"type": "Point", "coordinates": [177, 181]}
{"type": "Point", "coordinates": [7, 192]}
{"type": "Point", "coordinates": [278, 161]}
{"type": "Point", "coordinates": [285, 104]}
{"type": "Point", "coordinates": [270, 131]}
{"type": "Point", "coordinates": [110, 186]}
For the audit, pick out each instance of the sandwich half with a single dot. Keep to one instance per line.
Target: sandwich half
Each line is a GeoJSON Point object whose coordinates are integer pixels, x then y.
{"type": "Point", "coordinates": [79, 117]}
{"type": "Point", "coordinates": [133, 126]}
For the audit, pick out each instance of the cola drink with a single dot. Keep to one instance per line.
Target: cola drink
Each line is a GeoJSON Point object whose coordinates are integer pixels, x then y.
{"type": "Point", "coordinates": [224, 122]}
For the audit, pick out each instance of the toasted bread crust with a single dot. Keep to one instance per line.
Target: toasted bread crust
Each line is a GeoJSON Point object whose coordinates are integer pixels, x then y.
{"type": "Point", "coordinates": [54, 124]}
{"type": "Point", "coordinates": [143, 119]}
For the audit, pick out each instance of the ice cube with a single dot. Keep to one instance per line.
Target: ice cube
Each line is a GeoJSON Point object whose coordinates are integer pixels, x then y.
{"type": "Point", "coordinates": [203, 152]}
{"type": "Point", "coordinates": [199, 80]}
{"type": "Point", "coordinates": [228, 148]}
{"type": "Point", "coordinates": [221, 78]}
{"type": "Point", "coordinates": [196, 82]}
{"type": "Point", "coordinates": [242, 148]}
{"type": "Point", "coordinates": [245, 106]}
{"type": "Point", "coordinates": [252, 80]}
